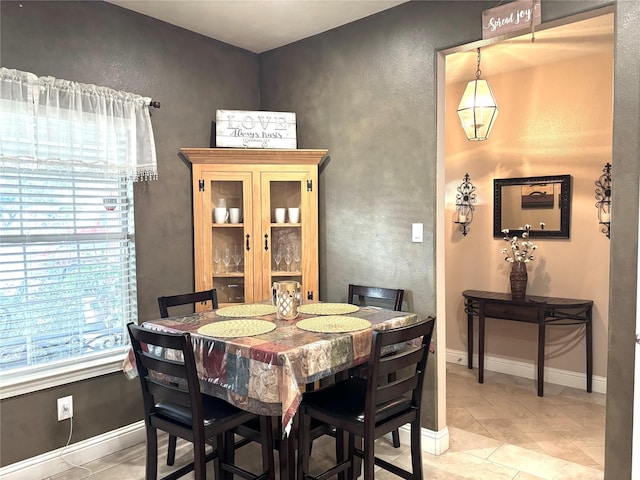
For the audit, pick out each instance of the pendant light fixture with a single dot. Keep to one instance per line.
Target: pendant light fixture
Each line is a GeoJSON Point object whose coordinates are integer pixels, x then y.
{"type": "Point", "coordinates": [478, 108]}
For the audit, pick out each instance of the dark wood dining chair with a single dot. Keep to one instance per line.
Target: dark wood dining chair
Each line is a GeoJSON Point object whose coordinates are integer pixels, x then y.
{"type": "Point", "coordinates": [365, 295]}
{"type": "Point", "coordinates": [378, 296]}
{"type": "Point", "coordinates": [366, 409]}
{"type": "Point", "coordinates": [186, 298]}
{"type": "Point", "coordinates": [166, 302]}
{"type": "Point", "coordinates": [174, 404]}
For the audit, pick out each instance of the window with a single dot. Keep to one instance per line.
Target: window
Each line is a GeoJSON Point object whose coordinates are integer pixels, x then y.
{"type": "Point", "coordinates": [67, 267]}
{"type": "Point", "coordinates": [67, 249]}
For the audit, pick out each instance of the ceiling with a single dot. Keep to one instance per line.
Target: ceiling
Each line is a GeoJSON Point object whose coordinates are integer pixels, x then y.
{"type": "Point", "coordinates": [262, 25]}
{"type": "Point", "coordinates": [258, 25]}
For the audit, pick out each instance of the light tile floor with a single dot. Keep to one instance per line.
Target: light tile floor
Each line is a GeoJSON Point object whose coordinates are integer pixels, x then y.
{"type": "Point", "coordinates": [567, 423]}
{"type": "Point", "coordinates": [498, 430]}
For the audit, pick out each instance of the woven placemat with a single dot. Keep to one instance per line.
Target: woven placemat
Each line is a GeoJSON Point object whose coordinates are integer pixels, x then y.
{"type": "Point", "coordinates": [333, 324]}
{"type": "Point", "coordinates": [328, 308]}
{"type": "Point", "coordinates": [248, 310]}
{"type": "Point", "coordinates": [245, 327]}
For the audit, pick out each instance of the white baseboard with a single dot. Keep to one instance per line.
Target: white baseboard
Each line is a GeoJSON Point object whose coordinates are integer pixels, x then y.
{"type": "Point", "coordinates": [528, 370]}
{"type": "Point", "coordinates": [50, 463]}
{"type": "Point", "coordinates": [434, 443]}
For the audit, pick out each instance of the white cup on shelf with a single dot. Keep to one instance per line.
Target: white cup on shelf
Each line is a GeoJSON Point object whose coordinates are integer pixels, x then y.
{"type": "Point", "coordinates": [220, 215]}
{"type": "Point", "coordinates": [234, 215]}
{"type": "Point", "coordinates": [280, 215]}
{"type": "Point", "coordinates": [294, 215]}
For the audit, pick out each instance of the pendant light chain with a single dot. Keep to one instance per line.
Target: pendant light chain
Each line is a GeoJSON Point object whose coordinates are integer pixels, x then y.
{"type": "Point", "coordinates": [533, 26]}
{"type": "Point", "coordinates": [478, 71]}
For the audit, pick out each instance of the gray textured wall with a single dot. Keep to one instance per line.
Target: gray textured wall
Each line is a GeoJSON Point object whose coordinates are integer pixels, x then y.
{"type": "Point", "coordinates": [192, 76]}
{"type": "Point", "coordinates": [366, 92]}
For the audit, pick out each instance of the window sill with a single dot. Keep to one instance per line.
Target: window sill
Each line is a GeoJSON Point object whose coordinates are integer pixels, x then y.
{"type": "Point", "coordinates": [12, 387]}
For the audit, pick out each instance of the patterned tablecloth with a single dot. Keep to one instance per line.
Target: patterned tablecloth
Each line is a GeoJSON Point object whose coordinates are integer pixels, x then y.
{"type": "Point", "coordinates": [266, 374]}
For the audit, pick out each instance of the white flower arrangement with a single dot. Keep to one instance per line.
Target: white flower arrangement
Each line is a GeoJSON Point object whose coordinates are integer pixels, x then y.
{"type": "Point", "coordinates": [521, 250]}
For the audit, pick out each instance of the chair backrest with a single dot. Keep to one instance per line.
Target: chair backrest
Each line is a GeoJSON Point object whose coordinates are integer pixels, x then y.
{"type": "Point", "coordinates": [167, 372]}
{"type": "Point", "coordinates": [409, 362]}
{"type": "Point", "coordinates": [174, 300]}
{"type": "Point", "coordinates": [359, 293]}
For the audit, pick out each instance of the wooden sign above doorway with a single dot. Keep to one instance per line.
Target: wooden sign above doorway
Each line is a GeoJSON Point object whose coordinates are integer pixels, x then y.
{"type": "Point", "coordinates": [514, 16]}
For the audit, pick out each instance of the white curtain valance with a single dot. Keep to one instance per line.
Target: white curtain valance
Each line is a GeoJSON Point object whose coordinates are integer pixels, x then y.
{"type": "Point", "coordinates": [48, 121]}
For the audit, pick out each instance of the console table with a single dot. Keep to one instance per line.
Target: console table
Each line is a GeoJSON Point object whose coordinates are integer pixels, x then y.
{"type": "Point", "coordinates": [542, 311]}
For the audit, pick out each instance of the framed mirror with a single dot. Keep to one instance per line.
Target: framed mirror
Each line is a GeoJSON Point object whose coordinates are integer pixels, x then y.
{"type": "Point", "coordinates": [542, 202]}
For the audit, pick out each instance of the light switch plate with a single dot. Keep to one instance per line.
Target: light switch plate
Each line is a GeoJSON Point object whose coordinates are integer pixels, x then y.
{"type": "Point", "coordinates": [416, 232]}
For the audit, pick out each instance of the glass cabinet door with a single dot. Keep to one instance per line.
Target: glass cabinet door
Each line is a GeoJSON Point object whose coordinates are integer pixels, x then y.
{"type": "Point", "coordinates": [283, 219]}
{"type": "Point", "coordinates": [228, 199]}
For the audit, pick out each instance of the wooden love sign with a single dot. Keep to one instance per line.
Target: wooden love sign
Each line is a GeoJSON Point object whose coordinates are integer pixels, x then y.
{"type": "Point", "coordinates": [255, 129]}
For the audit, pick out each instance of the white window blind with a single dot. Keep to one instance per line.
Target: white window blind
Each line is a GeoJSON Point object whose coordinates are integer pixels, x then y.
{"type": "Point", "coordinates": [67, 267]}
{"type": "Point", "coordinates": [69, 154]}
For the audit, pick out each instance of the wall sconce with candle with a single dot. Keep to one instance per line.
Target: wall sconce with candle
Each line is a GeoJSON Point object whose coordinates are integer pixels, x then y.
{"type": "Point", "coordinates": [603, 199]}
{"type": "Point", "coordinates": [465, 198]}
{"type": "Point", "coordinates": [478, 108]}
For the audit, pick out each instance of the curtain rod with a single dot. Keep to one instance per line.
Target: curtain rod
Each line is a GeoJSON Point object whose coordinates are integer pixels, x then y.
{"type": "Point", "coordinates": [154, 104]}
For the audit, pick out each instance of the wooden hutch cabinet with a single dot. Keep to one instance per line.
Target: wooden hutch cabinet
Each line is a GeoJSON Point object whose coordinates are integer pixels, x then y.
{"type": "Point", "coordinates": [242, 260]}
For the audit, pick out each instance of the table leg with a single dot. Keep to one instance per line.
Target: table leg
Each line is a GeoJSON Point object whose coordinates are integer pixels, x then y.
{"type": "Point", "coordinates": [469, 338]}
{"type": "Point", "coordinates": [287, 456]}
{"type": "Point", "coordinates": [481, 348]}
{"type": "Point", "coordinates": [589, 342]}
{"type": "Point", "coordinates": [541, 342]}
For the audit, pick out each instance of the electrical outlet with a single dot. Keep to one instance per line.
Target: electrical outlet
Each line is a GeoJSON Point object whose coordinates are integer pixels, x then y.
{"type": "Point", "coordinates": [65, 408]}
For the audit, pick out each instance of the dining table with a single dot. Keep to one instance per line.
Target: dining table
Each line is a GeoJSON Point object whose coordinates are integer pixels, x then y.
{"type": "Point", "coordinates": [258, 362]}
